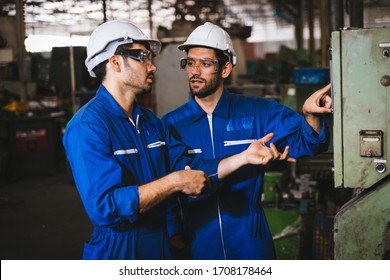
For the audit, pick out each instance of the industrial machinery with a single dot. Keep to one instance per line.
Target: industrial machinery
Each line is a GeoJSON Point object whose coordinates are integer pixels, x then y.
{"type": "Point", "coordinates": [360, 70]}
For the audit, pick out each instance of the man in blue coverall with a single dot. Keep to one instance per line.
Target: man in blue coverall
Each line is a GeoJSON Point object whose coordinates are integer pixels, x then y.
{"type": "Point", "coordinates": [229, 223]}
{"type": "Point", "coordinates": [120, 156]}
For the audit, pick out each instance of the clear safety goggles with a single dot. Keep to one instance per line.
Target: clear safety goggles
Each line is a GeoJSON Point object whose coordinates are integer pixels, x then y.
{"type": "Point", "coordinates": [143, 56]}
{"type": "Point", "coordinates": [206, 65]}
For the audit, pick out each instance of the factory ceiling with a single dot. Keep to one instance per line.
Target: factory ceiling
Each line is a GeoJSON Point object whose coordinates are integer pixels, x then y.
{"type": "Point", "coordinates": [66, 17]}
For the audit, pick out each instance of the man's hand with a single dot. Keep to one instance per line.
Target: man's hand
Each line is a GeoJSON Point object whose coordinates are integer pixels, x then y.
{"type": "Point", "coordinates": [258, 153]}
{"type": "Point", "coordinates": [187, 181]}
{"type": "Point", "coordinates": [318, 103]}
{"type": "Point", "coordinates": [191, 182]}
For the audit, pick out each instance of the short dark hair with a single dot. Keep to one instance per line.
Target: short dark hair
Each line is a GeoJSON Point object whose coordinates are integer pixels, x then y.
{"type": "Point", "coordinates": [100, 70]}
{"type": "Point", "coordinates": [123, 47]}
{"type": "Point", "coordinates": [222, 58]}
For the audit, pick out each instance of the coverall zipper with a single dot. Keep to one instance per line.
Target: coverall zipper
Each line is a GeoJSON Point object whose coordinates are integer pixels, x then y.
{"type": "Point", "coordinates": [144, 153]}
{"type": "Point", "coordinates": [210, 119]}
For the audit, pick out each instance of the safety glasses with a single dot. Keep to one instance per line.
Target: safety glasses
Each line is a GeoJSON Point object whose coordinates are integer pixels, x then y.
{"type": "Point", "coordinates": [143, 56]}
{"type": "Point", "coordinates": [206, 65]}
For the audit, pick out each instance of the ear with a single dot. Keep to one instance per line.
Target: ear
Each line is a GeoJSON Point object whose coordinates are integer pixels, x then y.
{"type": "Point", "coordinates": [226, 70]}
{"type": "Point", "coordinates": [115, 63]}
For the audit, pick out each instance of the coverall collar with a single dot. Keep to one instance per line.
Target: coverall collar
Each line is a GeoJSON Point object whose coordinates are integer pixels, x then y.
{"type": "Point", "coordinates": [106, 98]}
{"type": "Point", "coordinates": [222, 108]}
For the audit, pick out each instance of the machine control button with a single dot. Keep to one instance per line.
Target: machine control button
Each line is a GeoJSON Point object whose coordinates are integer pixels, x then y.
{"type": "Point", "coordinates": [380, 168]}
{"type": "Point", "coordinates": [385, 49]}
{"type": "Point", "coordinates": [386, 53]}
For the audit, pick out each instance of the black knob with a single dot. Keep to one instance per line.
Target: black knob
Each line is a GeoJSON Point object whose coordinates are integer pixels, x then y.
{"type": "Point", "coordinates": [386, 53]}
{"type": "Point", "coordinates": [380, 168]}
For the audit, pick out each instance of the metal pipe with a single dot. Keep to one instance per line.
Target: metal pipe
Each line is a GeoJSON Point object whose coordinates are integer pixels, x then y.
{"type": "Point", "coordinates": [21, 49]}
{"type": "Point", "coordinates": [324, 33]}
{"type": "Point", "coordinates": [150, 2]}
{"type": "Point", "coordinates": [104, 11]}
{"type": "Point", "coordinates": [310, 19]}
{"type": "Point", "coordinates": [299, 24]}
{"type": "Point", "coordinates": [72, 78]}
{"type": "Point", "coordinates": [336, 15]}
{"type": "Point", "coordinates": [356, 13]}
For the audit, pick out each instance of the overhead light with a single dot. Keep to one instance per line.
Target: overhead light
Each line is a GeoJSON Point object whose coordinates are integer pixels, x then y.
{"type": "Point", "coordinates": [45, 43]}
{"type": "Point", "coordinates": [190, 3]}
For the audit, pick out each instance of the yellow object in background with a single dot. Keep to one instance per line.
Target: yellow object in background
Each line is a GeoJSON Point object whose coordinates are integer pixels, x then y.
{"type": "Point", "coordinates": [17, 107]}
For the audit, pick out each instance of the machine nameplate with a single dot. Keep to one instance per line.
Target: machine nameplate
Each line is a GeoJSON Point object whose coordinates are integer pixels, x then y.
{"type": "Point", "coordinates": [371, 143]}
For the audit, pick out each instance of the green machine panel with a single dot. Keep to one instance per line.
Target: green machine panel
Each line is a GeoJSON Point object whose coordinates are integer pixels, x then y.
{"type": "Point", "coordinates": [360, 67]}
{"type": "Point", "coordinates": [360, 74]}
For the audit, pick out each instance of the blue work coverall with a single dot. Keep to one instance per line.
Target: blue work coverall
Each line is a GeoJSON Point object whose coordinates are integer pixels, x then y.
{"type": "Point", "coordinates": [229, 222]}
{"type": "Point", "coordinates": [110, 157]}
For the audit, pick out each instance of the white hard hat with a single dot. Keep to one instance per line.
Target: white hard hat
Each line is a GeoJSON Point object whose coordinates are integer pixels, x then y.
{"type": "Point", "coordinates": [106, 38]}
{"type": "Point", "coordinates": [211, 36]}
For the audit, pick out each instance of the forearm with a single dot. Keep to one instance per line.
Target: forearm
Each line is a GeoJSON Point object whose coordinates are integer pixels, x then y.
{"type": "Point", "coordinates": [155, 192]}
{"type": "Point", "coordinates": [190, 182]}
{"type": "Point", "coordinates": [314, 121]}
{"type": "Point", "coordinates": [230, 164]}
{"type": "Point", "coordinates": [257, 153]}
{"type": "Point", "coordinates": [317, 104]}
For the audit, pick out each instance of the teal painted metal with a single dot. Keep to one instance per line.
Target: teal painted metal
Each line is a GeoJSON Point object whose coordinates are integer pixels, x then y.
{"type": "Point", "coordinates": [360, 225]}
{"type": "Point", "coordinates": [360, 73]}
{"type": "Point", "coordinates": [361, 103]}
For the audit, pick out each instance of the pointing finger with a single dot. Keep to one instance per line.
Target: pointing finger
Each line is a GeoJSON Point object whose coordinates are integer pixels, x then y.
{"type": "Point", "coordinates": [323, 91]}
{"type": "Point", "coordinates": [268, 137]}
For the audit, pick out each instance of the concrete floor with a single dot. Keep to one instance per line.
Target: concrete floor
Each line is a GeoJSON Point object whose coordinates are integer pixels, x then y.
{"type": "Point", "coordinates": [42, 218]}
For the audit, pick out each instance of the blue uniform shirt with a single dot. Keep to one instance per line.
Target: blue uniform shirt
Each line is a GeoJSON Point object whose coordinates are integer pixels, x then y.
{"type": "Point", "coordinates": [230, 222]}
{"type": "Point", "coordinates": [110, 157]}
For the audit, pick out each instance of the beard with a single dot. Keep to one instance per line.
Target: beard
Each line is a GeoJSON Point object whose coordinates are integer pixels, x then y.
{"type": "Point", "coordinates": [209, 87]}
{"type": "Point", "coordinates": [146, 90]}
{"type": "Point", "coordinates": [140, 89]}
{"type": "Point", "coordinates": [133, 80]}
